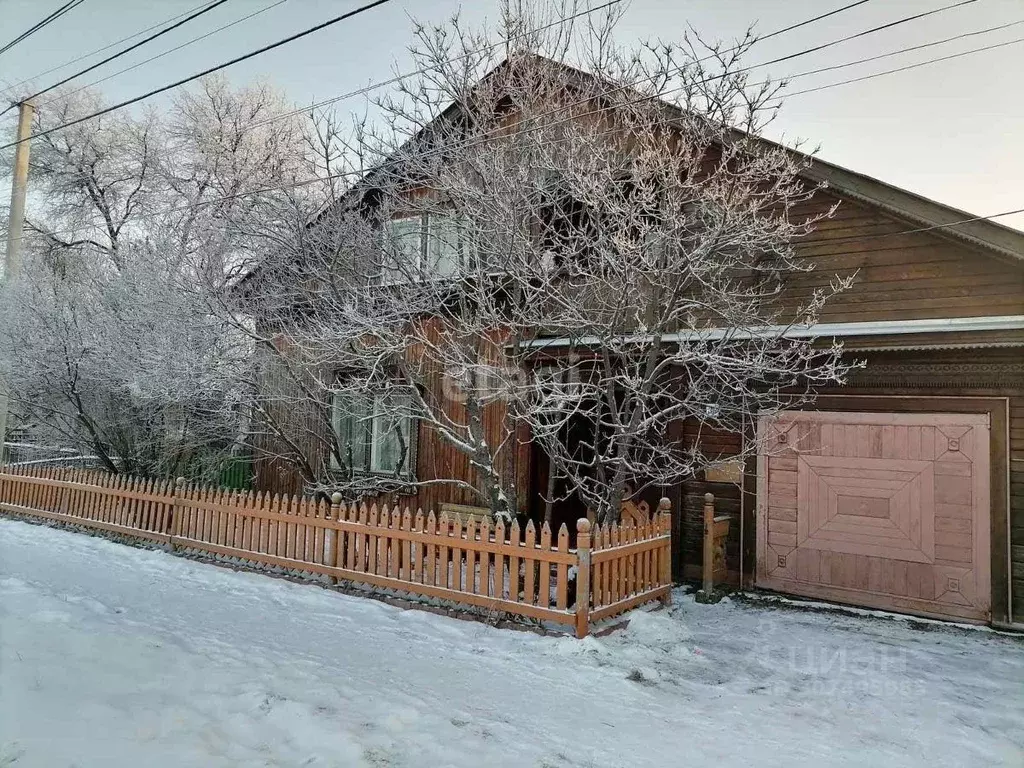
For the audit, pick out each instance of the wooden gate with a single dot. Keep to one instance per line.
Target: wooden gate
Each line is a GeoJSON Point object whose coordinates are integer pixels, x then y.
{"type": "Point", "coordinates": [884, 510]}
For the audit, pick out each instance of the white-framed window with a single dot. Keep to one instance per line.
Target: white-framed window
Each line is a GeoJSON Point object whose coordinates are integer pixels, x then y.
{"type": "Point", "coordinates": [376, 435]}
{"type": "Point", "coordinates": [427, 245]}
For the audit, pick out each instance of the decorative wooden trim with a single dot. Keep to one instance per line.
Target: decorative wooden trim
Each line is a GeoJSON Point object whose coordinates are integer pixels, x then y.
{"type": "Point", "coordinates": [961, 375]}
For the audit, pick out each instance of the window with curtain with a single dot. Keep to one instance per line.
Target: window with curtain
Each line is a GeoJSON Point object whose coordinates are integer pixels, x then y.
{"type": "Point", "coordinates": [377, 435]}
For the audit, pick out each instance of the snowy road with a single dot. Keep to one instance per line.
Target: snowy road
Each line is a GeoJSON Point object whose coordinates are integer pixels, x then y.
{"type": "Point", "coordinates": [112, 656]}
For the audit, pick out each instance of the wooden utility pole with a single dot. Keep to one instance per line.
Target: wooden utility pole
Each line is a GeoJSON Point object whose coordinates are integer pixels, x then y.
{"type": "Point", "coordinates": [15, 225]}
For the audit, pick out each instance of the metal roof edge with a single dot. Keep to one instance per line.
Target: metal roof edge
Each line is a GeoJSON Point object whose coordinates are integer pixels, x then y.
{"type": "Point", "coordinates": [819, 330]}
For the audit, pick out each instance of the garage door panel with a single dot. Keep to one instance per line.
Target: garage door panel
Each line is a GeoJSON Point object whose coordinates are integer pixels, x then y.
{"type": "Point", "coordinates": [784, 499]}
{"type": "Point", "coordinates": [954, 511]}
{"type": "Point", "coordinates": [954, 554]}
{"type": "Point", "coordinates": [853, 526]}
{"type": "Point", "coordinates": [955, 468]}
{"type": "Point", "coordinates": [781, 526]}
{"type": "Point", "coordinates": [888, 510]}
{"type": "Point", "coordinates": [950, 489]}
{"type": "Point", "coordinates": [782, 539]}
{"type": "Point", "coordinates": [784, 513]}
{"type": "Point", "coordinates": [953, 538]}
{"type": "Point", "coordinates": [808, 565]}
{"type": "Point", "coordinates": [782, 478]}
{"type": "Point", "coordinates": [952, 524]}
{"type": "Point", "coordinates": [869, 545]}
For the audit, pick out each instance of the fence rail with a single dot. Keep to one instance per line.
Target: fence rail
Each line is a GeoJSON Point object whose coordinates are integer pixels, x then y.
{"type": "Point", "coordinates": [519, 570]}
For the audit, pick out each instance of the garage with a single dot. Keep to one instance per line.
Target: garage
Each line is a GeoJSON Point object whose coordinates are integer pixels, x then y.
{"type": "Point", "coordinates": [881, 510]}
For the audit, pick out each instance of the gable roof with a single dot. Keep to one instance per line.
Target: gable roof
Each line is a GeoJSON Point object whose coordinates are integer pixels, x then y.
{"type": "Point", "coordinates": [942, 220]}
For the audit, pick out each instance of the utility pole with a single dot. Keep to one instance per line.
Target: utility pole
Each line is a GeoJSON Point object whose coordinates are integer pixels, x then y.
{"type": "Point", "coordinates": [15, 225]}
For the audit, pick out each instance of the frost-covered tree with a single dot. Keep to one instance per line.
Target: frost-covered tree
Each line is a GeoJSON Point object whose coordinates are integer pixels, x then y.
{"type": "Point", "coordinates": [114, 340]}
{"type": "Point", "coordinates": [561, 241]}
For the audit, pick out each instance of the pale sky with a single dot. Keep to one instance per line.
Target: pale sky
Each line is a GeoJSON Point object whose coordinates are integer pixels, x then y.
{"type": "Point", "coordinates": [952, 131]}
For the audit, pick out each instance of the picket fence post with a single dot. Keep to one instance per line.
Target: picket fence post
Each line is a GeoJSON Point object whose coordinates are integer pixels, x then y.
{"type": "Point", "coordinates": [334, 535]}
{"type": "Point", "coordinates": [177, 502]}
{"type": "Point", "coordinates": [665, 526]}
{"type": "Point", "coordinates": [583, 578]}
{"type": "Point", "coordinates": [708, 559]}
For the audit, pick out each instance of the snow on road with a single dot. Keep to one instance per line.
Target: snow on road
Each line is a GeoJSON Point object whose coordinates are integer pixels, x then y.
{"type": "Point", "coordinates": [112, 656]}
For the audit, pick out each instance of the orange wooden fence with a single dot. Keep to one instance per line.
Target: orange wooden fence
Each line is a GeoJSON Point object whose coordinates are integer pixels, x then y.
{"type": "Point", "coordinates": [523, 571]}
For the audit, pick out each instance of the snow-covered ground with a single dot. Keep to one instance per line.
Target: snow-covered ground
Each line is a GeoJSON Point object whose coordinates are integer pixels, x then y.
{"type": "Point", "coordinates": [112, 656]}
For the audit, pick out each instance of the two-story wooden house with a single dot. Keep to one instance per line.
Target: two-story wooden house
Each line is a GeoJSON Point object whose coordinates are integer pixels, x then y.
{"type": "Point", "coordinates": [903, 489]}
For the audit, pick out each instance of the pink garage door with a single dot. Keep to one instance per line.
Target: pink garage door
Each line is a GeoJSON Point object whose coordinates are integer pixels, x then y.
{"type": "Point", "coordinates": [884, 510]}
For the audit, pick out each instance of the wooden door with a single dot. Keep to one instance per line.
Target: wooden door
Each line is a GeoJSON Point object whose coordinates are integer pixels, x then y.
{"type": "Point", "coordinates": [883, 510]}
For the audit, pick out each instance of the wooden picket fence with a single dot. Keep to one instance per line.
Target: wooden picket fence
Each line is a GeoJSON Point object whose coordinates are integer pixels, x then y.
{"type": "Point", "coordinates": [521, 571]}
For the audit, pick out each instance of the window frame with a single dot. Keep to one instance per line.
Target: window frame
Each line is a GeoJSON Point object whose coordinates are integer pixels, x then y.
{"type": "Point", "coordinates": [389, 240]}
{"type": "Point", "coordinates": [464, 261]}
{"type": "Point", "coordinates": [368, 427]}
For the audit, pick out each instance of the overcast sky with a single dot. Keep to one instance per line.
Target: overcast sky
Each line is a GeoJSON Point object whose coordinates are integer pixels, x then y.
{"type": "Point", "coordinates": [952, 131]}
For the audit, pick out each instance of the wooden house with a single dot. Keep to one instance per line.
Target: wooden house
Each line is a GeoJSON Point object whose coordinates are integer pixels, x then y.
{"type": "Point", "coordinates": [904, 489]}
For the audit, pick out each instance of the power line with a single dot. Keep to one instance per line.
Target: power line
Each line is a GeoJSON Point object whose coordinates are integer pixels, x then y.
{"type": "Point", "coordinates": [211, 70]}
{"type": "Point", "coordinates": [356, 174]}
{"type": "Point", "coordinates": [904, 69]}
{"type": "Point", "coordinates": [68, 6]}
{"type": "Point", "coordinates": [625, 86]}
{"type": "Point", "coordinates": [406, 75]}
{"type": "Point", "coordinates": [401, 77]}
{"type": "Point", "coordinates": [130, 48]}
{"type": "Point", "coordinates": [106, 47]}
{"type": "Point", "coordinates": [175, 49]}
{"type": "Point", "coordinates": [905, 50]}
{"type": "Point", "coordinates": [413, 73]}
{"type": "Point", "coordinates": [804, 23]}
{"type": "Point", "coordinates": [534, 30]}
{"type": "Point", "coordinates": [663, 93]}
{"type": "Point", "coordinates": [423, 70]}
{"type": "Point", "coordinates": [889, 25]}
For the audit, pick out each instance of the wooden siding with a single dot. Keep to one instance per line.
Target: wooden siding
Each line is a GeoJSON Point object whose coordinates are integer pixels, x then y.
{"type": "Point", "coordinates": [284, 411]}
{"type": "Point", "coordinates": [956, 380]}
{"type": "Point", "coordinates": [715, 444]}
{"type": "Point", "coordinates": [436, 458]}
{"type": "Point", "coordinates": [899, 277]}
{"type": "Point", "coordinates": [1017, 503]}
